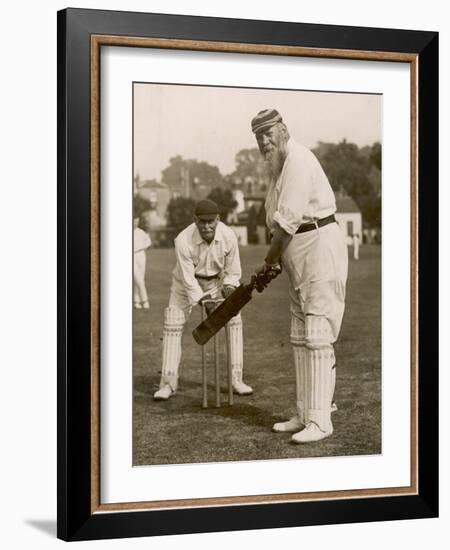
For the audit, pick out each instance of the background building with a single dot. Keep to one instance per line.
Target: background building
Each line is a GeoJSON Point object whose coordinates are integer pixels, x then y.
{"type": "Point", "coordinates": [349, 217]}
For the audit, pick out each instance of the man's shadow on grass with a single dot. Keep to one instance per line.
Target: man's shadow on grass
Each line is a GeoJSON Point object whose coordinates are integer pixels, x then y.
{"type": "Point", "coordinates": [189, 401]}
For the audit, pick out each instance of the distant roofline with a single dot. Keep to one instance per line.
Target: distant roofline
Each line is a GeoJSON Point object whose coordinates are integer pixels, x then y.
{"type": "Point", "coordinates": [152, 183]}
{"type": "Point", "coordinates": [346, 204]}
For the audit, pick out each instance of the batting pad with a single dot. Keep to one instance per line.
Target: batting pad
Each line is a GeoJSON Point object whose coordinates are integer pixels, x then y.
{"type": "Point", "coordinates": [319, 386]}
{"type": "Point", "coordinates": [236, 348]}
{"type": "Point", "coordinates": [300, 378]}
{"type": "Point", "coordinates": [318, 334]}
{"type": "Point", "coordinates": [297, 335]}
{"type": "Point", "coordinates": [174, 320]}
{"type": "Point", "coordinates": [298, 342]}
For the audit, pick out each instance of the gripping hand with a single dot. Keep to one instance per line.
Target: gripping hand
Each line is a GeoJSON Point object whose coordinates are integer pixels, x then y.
{"type": "Point", "coordinates": [264, 275]}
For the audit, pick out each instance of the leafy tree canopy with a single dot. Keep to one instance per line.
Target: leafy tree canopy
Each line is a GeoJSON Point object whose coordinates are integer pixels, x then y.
{"type": "Point", "coordinates": [190, 173]}
{"type": "Point", "coordinates": [224, 200]}
{"type": "Point", "coordinates": [249, 164]}
{"type": "Point", "coordinates": [180, 212]}
{"type": "Point", "coordinates": [357, 172]}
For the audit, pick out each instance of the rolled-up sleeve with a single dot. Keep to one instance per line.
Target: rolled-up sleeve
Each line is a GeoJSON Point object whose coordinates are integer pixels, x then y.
{"type": "Point", "coordinates": [187, 272]}
{"type": "Point", "coordinates": [294, 191]}
{"type": "Point", "coordinates": [232, 266]}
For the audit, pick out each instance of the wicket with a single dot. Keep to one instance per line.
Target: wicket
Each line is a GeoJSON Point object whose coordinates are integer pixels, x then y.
{"type": "Point", "coordinates": [216, 363]}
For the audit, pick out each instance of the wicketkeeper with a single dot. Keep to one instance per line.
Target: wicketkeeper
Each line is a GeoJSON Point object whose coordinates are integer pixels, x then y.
{"type": "Point", "coordinates": [306, 239]}
{"type": "Point", "coordinates": [208, 267]}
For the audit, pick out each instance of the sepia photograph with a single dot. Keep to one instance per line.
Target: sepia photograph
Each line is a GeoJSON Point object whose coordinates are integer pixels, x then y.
{"type": "Point", "coordinates": [256, 274]}
{"type": "Point", "coordinates": [246, 286]}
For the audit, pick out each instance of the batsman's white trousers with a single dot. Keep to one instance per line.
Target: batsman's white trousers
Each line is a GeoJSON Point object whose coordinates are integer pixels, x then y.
{"type": "Point", "coordinates": [317, 264]}
{"type": "Point", "coordinates": [175, 317]}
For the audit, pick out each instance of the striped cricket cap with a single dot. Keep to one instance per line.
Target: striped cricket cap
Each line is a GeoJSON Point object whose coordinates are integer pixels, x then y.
{"type": "Point", "coordinates": [265, 119]}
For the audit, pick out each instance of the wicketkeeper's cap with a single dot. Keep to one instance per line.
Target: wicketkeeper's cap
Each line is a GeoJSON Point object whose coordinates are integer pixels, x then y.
{"type": "Point", "coordinates": [265, 119]}
{"type": "Point", "coordinates": [206, 207]}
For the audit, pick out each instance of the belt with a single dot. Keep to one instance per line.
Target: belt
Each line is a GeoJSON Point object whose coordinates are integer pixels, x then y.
{"type": "Point", "coordinates": [207, 277]}
{"type": "Point", "coordinates": [319, 223]}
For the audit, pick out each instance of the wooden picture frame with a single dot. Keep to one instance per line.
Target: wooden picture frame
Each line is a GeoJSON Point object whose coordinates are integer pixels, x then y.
{"type": "Point", "coordinates": [81, 35]}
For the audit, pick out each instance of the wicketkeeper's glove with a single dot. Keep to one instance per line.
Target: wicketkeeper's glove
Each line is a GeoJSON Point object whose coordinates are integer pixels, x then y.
{"type": "Point", "coordinates": [227, 290]}
{"type": "Point", "coordinates": [209, 305]}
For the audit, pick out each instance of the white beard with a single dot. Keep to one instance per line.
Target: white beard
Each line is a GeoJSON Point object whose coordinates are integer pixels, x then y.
{"type": "Point", "coordinates": [273, 161]}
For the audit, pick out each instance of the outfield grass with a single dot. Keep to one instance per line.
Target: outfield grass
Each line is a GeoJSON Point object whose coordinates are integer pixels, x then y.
{"type": "Point", "coordinates": [180, 431]}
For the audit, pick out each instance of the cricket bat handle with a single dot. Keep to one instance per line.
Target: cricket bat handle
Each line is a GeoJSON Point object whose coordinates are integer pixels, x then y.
{"type": "Point", "coordinates": [260, 281]}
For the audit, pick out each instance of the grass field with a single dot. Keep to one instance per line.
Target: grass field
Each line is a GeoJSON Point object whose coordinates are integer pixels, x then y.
{"type": "Point", "coordinates": [180, 431]}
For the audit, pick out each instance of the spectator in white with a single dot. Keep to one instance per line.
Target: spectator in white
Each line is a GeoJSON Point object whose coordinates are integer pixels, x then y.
{"type": "Point", "coordinates": [306, 239]}
{"type": "Point", "coordinates": [208, 267]}
{"type": "Point", "coordinates": [141, 241]}
{"type": "Point", "coordinates": [355, 241]}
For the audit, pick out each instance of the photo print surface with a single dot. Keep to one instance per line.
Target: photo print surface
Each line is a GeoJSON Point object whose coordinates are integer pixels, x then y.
{"type": "Point", "coordinates": [278, 191]}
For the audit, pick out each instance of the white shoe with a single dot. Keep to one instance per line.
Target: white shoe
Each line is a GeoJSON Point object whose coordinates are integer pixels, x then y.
{"type": "Point", "coordinates": [311, 433]}
{"type": "Point", "coordinates": [163, 393]}
{"type": "Point", "coordinates": [292, 425]}
{"type": "Point", "coordinates": [334, 407]}
{"type": "Point", "coordinates": [137, 305]}
{"type": "Point", "coordinates": [241, 388]}
{"type": "Point", "coordinates": [145, 305]}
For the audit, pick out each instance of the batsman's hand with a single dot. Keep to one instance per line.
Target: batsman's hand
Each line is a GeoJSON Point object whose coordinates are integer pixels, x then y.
{"type": "Point", "coordinates": [265, 274]}
{"type": "Point", "coordinates": [227, 290]}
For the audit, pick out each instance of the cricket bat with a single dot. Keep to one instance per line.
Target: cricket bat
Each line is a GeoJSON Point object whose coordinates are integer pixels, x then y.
{"type": "Point", "coordinates": [232, 306]}
{"type": "Point", "coordinates": [223, 313]}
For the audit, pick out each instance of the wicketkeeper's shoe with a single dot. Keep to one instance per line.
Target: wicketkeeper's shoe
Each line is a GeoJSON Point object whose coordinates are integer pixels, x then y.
{"type": "Point", "coordinates": [311, 433]}
{"type": "Point", "coordinates": [292, 425]}
{"type": "Point", "coordinates": [241, 388]}
{"type": "Point", "coordinates": [163, 393]}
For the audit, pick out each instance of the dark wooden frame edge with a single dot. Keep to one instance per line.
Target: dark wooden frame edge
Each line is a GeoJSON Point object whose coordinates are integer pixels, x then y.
{"type": "Point", "coordinates": [75, 518]}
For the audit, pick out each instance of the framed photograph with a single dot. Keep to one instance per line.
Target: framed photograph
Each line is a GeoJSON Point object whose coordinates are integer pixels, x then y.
{"type": "Point", "coordinates": [247, 286]}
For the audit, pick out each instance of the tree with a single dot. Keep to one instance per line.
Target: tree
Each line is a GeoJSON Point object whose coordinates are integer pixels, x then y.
{"type": "Point", "coordinates": [180, 212]}
{"type": "Point", "coordinates": [224, 200]}
{"type": "Point", "coordinates": [375, 155]}
{"type": "Point", "coordinates": [249, 165]}
{"type": "Point", "coordinates": [190, 177]}
{"type": "Point", "coordinates": [354, 170]}
{"type": "Point", "coordinates": [140, 205]}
